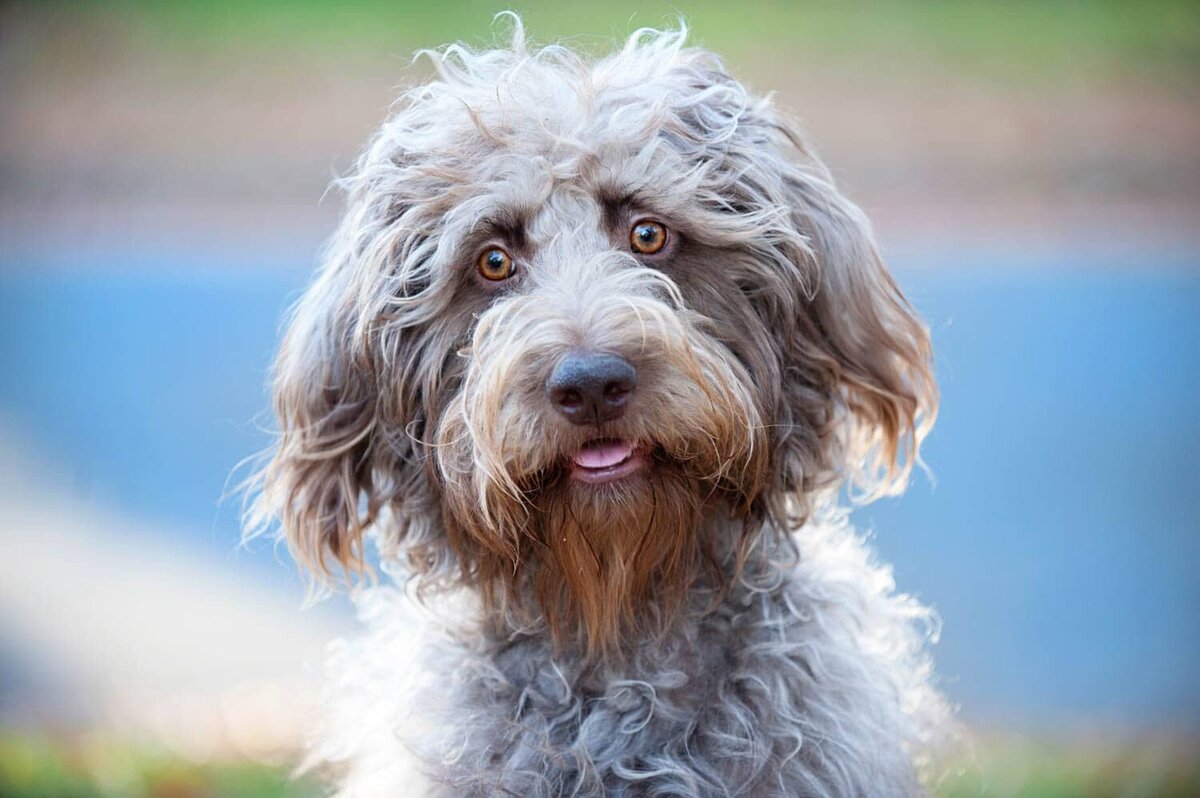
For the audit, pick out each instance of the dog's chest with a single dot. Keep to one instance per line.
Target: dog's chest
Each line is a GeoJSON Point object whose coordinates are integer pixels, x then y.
{"type": "Point", "coordinates": [814, 683]}
{"type": "Point", "coordinates": [713, 708]}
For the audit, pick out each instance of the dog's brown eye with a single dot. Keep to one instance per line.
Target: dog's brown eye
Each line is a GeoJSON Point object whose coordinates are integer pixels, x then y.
{"type": "Point", "coordinates": [647, 237]}
{"type": "Point", "coordinates": [495, 264]}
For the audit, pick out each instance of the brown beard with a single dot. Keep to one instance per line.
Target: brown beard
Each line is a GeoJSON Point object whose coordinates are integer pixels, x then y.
{"type": "Point", "coordinates": [618, 560]}
{"type": "Point", "coordinates": [605, 566]}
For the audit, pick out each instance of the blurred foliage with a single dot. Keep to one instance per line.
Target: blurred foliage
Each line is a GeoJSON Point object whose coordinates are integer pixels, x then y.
{"type": "Point", "coordinates": [1057, 39]}
{"type": "Point", "coordinates": [42, 767]}
{"type": "Point", "coordinates": [1021, 767]}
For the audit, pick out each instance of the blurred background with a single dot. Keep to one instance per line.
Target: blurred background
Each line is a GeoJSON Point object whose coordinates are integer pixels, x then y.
{"type": "Point", "coordinates": [1033, 170]}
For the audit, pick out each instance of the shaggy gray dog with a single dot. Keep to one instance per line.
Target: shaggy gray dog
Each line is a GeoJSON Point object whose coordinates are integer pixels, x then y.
{"type": "Point", "coordinates": [592, 354]}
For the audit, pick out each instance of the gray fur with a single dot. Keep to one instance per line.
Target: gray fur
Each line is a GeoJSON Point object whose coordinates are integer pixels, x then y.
{"type": "Point", "coordinates": [809, 680]}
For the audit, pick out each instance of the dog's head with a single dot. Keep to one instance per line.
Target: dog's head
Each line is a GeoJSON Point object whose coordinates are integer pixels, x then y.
{"type": "Point", "coordinates": [585, 328]}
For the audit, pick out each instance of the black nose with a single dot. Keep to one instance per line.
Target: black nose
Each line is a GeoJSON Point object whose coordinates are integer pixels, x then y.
{"type": "Point", "coordinates": [590, 387]}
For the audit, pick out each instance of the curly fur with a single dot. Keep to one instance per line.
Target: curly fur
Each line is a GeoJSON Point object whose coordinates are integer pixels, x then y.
{"type": "Point", "coordinates": [712, 627]}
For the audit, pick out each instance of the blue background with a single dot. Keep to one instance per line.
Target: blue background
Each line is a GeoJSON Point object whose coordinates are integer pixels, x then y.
{"type": "Point", "coordinates": [1058, 537]}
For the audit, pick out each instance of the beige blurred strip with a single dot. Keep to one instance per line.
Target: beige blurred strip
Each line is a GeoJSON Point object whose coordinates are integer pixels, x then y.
{"type": "Point", "coordinates": [135, 635]}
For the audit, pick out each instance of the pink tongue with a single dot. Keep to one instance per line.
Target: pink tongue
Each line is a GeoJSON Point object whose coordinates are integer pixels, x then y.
{"type": "Point", "coordinates": [604, 454]}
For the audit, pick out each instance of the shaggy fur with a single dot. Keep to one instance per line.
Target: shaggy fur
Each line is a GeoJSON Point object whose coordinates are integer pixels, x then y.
{"type": "Point", "coordinates": [706, 626]}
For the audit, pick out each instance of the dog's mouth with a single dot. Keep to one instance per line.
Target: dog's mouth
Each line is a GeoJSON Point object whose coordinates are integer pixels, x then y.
{"type": "Point", "coordinates": [603, 460]}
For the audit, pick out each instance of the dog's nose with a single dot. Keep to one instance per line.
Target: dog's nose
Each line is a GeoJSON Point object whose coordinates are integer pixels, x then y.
{"type": "Point", "coordinates": [591, 387]}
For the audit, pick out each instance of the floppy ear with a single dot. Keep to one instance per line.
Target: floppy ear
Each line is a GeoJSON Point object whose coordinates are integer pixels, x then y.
{"type": "Point", "coordinates": [360, 372]}
{"type": "Point", "coordinates": [347, 388]}
{"type": "Point", "coordinates": [318, 482]}
{"type": "Point", "coordinates": [851, 392]}
{"type": "Point", "coordinates": [857, 334]}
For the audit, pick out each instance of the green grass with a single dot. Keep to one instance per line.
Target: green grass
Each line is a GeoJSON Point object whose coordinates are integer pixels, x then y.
{"type": "Point", "coordinates": [42, 767]}
{"type": "Point", "coordinates": [1054, 39]}
{"type": "Point", "coordinates": [1024, 768]}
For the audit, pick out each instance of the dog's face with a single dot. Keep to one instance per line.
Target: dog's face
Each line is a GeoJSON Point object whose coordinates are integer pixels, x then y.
{"type": "Point", "coordinates": [585, 330]}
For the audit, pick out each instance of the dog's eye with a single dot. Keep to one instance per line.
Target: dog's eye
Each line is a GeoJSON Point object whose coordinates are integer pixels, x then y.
{"type": "Point", "coordinates": [647, 237]}
{"type": "Point", "coordinates": [496, 264]}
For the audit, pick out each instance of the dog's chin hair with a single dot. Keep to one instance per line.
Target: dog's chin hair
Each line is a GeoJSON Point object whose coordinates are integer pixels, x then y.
{"type": "Point", "coordinates": [606, 555]}
{"type": "Point", "coordinates": [601, 566]}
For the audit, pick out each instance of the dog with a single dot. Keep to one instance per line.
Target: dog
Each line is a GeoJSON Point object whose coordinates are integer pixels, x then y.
{"type": "Point", "coordinates": [594, 352]}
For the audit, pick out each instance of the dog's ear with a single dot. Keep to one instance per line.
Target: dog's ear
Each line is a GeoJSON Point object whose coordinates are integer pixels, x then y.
{"type": "Point", "coordinates": [858, 335]}
{"type": "Point", "coordinates": [855, 392]}
{"type": "Point", "coordinates": [318, 483]}
{"type": "Point", "coordinates": [346, 394]}
{"type": "Point", "coordinates": [354, 383]}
